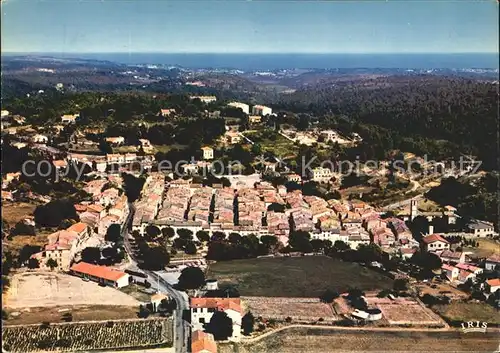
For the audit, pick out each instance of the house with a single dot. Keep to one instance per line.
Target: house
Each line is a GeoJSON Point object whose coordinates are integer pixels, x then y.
{"type": "Point", "coordinates": [115, 141]}
{"type": "Point", "coordinates": [233, 137]}
{"type": "Point", "coordinates": [81, 229]}
{"type": "Point", "coordinates": [452, 256]}
{"type": "Point", "coordinates": [407, 253]}
{"type": "Point", "coordinates": [19, 145]}
{"type": "Point", "coordinates": [492, 285]}
{"type": "Point", "coordinates": [156, 300]}
{"type": "Point", "coordinates": [106, 221]}
{"type": "Point", "coordinates": [481, 229]}
{"type": "Point", "coordinates": [167, 112]}
{"type": "Point", "coordinates": [208, 152]}
{"type": "Point", "coordinates": [261, 110]}
{"type": "Point", "coordinates": [435, 242]}
{"type": "Point", "coordinates": [101, 274]}
{"type": "Point", "coordinates": [254, 119]}
{"type": "Point", "coordinates": [60, 164]}
{"type": "Point", "coordinates": [38, 138]}
{"type": "Point", "coordinates": [7, 196]}
{"type": "Point", "coordinates": [492, 263]}
{"type": "Point", "coordinates": [321, 175]}
{"type": "Point", "coordinates": [470, 268]}
{"type": "Point", "coordinates": [244, 107]}
{"type": "Point", "coordinates": [204, 99]}
{"type": "Point", "coordinates": [69, 118]}
{"type": "Point", "coordinates": [451, 272]}
{"type": "Point", "coordinates": [5, 113]}
{"type": "Point", "coordinates": [202, 310]}
{"type": "Point", "coordinates": [145, 144]}
{"type": "Point", "coordinates": [202, 342]}
{"type": "Point", "coordinates": [293, 177]}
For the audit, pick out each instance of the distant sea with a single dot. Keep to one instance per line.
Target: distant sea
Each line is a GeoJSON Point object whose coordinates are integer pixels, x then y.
{"type": "Point", "coordinates": [299, 61]}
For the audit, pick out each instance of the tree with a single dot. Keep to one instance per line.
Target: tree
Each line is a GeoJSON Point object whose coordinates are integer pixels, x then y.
{"type": "Point", "coordinates": [299, 241]}
{"type": "Point", "coordinates": [168, 232]}
{"type": "Point", "coordinates": [426, 260]}
{"type": "Point", "coordinates": [185, 234]}
{"type": "Point", "coordinates": [220, 325]}
{"type": "Point", "coordinates": [91, 255]}
{"type": "Point", "coordinates": [152, 231]}
{"type": "Point", "coordinates": [328, 296]}
{"type": "Point", "coordinates": [51, 263]}
{"type": "Point", "coordinates": [203, 236]}
{"type": "Point", "coordinates": [52, 213]}
{"type": "Point", "coordinates": [400, 284]}
{"type": "Point", "coordinates": [113, 233]}
{"type": "Point", "coordinates": [247, 323]}
{"type": "Point", "coordinates": [190, 248]}
{"type": "Point", "coordinates": [276, 207]}
{"type": "Point", "coordinates": [191, 278]}
{"type": "Point", "coordinates": [33, 263]}
{"type": "Point", "coordinates": [26, 252]}
{"type": "Point", "coordinates": [339, 245]}
{"type": "Point", "coordinates": [21, 228]}
{"type": "Point", "coordinates": [234, 238]}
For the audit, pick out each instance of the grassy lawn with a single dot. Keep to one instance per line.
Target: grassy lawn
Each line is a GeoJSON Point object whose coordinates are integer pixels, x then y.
{"type": "Point", "coordinates": [461, 311]}
{"type": "Point", "coordinates": [166, 148]}
{"type": "Point", "coordinates": [487, 247]}
{"type": "Point", "coordinates": [15, 212]}
{"type": "Point", "coordinates": [278, 145]}
{"type": "Point", "coordinates": [305, 276]}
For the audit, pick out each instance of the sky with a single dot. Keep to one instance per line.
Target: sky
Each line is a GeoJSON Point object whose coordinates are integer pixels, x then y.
{"type": "Point", "coordinates": [265, 26]}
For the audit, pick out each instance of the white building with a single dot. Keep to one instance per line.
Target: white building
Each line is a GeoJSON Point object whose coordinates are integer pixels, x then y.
{"type": "Point", "coordinates": [435, 243]}
{"type": "Point", "coordinates": [261, 110]}
{"type": "Point", "coordinates": [481, 229]}
{"type": "Point", "coordinates": [69, 118]}
{"type": "Point", "coordinates": [204, 99]}
{"type": "Point", "coordinates": [322, 175]}
{"type": "Point", "coordinates": [208, 152]}
{"type": "Point", "coordinates": [5, 113]}
{"type": "Point", "coordinates": [202, 310]}
{"type": "Point", "coordinates": [40, 139]}
{"type": "Point", "coordinates": [244, 107]}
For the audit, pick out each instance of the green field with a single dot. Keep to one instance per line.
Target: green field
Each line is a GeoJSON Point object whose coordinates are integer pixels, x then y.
{"type": "Point", "coordinates": [306, 276]}
{"type": "Point", "coordinates": [463, 312]}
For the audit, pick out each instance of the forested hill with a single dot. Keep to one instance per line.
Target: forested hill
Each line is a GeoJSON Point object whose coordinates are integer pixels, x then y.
{"type": "Point", "coordinates": [464, 112]}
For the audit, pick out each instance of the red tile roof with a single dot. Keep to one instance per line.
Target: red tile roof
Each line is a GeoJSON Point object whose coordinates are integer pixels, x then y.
{"type": "Point", "coordinates": [104, 272]}
{"type": "Point", "coordinates": [221, 304]}
{"type": "Point", "coordinates": [434, 238]}
{"type": "Point", "coordinates": [78, 227]}
{"type": "Point", "coordinates": [202, 342]}
{"type": "Point", "coordinates": [495, 282]}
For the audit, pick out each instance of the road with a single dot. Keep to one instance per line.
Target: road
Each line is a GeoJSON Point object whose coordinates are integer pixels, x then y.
{"type": "Point", "coordinates": [181, 327]}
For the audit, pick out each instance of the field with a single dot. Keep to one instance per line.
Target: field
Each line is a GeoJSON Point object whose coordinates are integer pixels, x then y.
{"type": "Point", "coordinates": [461, 311]}
{"type": "Point", "coordinates": [54, 314]}
{"type": "Point", "coordinates": [15, 212]}
{"type": "Point", "coordinates": [299, 309]}
{"type": "Point", "coordinates": [306, 276]}
{"type": "Point", "coordinates": [487, 247]}
{"type": "Point", "coordinates": [88, 336]}
{"type": "Point", "coordinates": [273, 142]}
{"type": "Point", "coordinates": [323, 340]}
{"type": "Point", "coordinates": [441, 289]}
{"type": "Point", "coordinates": [405, 311]}
{"type": "Point", "coordinates": [36, 289]}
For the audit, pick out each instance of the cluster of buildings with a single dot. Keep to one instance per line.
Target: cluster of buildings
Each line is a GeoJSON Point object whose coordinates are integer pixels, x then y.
{"type": "Point", "coordinates": [62, 246]}
{"type": "Point", "coordinates": [149, 204]}
{"type": "Point", "coordinates": [257, 110]}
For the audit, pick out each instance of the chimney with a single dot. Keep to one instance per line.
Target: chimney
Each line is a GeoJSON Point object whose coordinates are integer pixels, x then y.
{"type": "Point", "coordinates": [431, 229]}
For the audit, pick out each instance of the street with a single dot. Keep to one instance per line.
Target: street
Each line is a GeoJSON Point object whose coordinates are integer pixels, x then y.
{"type": "Point", "coordinates": [181, 327]}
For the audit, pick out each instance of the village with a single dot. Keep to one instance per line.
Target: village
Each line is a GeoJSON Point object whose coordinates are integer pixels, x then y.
{"type": "Point", "coordinates": [158, 240]}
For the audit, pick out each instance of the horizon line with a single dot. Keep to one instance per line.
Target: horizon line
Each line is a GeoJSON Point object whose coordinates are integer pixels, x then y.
{"type": "Point", "coordinates": [242, 53]}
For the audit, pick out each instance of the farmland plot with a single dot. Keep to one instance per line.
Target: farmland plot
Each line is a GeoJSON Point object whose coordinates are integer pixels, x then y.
{"type": "Point", "coordinates": [73, 337]}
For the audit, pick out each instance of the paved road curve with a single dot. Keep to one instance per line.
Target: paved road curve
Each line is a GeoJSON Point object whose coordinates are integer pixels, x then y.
{"type": "Point", "coordinates": [181, 327]}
